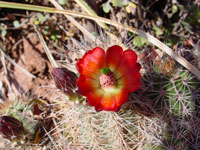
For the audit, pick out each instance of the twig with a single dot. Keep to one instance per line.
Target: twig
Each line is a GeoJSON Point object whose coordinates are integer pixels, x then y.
{"type": "Point", "coordinates": [50, 57]}
{"type": "Point", "coordinates": [5, 71]}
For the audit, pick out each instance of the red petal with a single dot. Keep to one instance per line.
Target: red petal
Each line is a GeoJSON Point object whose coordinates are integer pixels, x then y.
{"type": "Point", "coordinates": [114, 56]}
{"type": "Point", "coordinates": [108, 103]}
{"type": "Point", "coordinates": [128, 63]}
{"type": "Point", "coordinates": [91, 63]}
{"type": "Point", "coordinates": [135, 86]}
{"type": "Point", "coordinates": [100, 56]}
{"type": "Point", "coordinates": [130, 57]}
{"type": "Point", "coordinates": [130, 80]}
{"type": "Point", "coordinates": [113, 101]}
{"type": "Point", "coordinates": [86, 84]}
{"type": "Point", "coordinates": [94, 98]}
{"type": "Point", "coordinates": [121, 97]}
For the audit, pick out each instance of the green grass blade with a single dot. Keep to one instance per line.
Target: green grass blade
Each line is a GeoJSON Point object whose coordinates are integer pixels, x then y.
{"type": "Point", "coordinates": [26, 7]}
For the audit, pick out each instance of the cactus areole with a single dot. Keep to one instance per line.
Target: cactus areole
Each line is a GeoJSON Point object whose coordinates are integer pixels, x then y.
{"type": "Point", "coordinates": [107, 78]}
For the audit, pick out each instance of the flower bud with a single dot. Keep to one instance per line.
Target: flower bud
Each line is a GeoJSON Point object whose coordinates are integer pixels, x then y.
{"type": "Point", "coordinates": [11, 128]}
{"type": "Point", "coordinates": [65, 80]}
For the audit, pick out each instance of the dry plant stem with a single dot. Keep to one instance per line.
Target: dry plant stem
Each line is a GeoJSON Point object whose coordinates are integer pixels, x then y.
{"type": "Point", "coordinates": [16, 65]}
{"type": "Point", "coordinates": [59, 132]}
{"type": "Point", "coordinates": [50, 57]}
{"type": "Point", "coordinates": [5, 71]}
{"type": "Point", "coordinates": [147, 36]}
{"type": "Point", "coordinates": [51, 139]}
{"type": "Point", "coordinates": [88, 34]}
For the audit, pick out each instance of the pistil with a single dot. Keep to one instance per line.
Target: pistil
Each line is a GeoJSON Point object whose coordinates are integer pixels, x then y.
{"type": "Point", "coordinates": [106, 79]}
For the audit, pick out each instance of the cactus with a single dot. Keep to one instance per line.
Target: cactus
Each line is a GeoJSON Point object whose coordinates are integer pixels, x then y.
{"type": "Point", "coordinates": [179, 91]}
{"type": "Point", "coordinates": [172, 93]}
{"type": "Point", "coordinates": [83, 127]}
{"type": "Point", "coordinates": [24, 117]}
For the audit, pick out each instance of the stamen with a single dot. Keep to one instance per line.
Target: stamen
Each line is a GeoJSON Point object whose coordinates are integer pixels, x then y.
{"type": "Point", "coordinates": [107, 80]}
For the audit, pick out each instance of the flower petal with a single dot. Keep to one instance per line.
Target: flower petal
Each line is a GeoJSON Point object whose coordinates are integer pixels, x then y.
{"type": "Point", "coordinates": [91, 63]}
{"type": "Point", "coordinates": [128, 63]}
{"type": "Point", "coordinates": [108, 103]}
{"type": "Point", "coordinates": [130, 57]}
{"type": "Point", "coordinates": [114, 56]}
{"type": "Point", "coordinates": [86, 84]}
{"type": "Point", "coordinates": [100, 55]}
{"type": "Point", "coordinates": [130, 80]}
{"type": "Point", "coordinates": [135, 86]}
{"type": "Point", "coordinates": [131, 83]}
{"type": "Point", "coordinates": [121, 97]}
{"type": "Point", "coordinates": [112, 101]}
{"type": "Point", "coordinates": [94, 98]}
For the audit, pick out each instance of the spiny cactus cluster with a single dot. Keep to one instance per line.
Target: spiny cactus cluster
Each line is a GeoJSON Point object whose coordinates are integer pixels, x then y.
{"type": "Point", "coordinates": [84, 128]}
{"type": "Point", "coordinates": [22, 121]}
{"type": "Point", "coordinates": [172, 93]}
{"type": "Point", "coordinates": [174, 98]}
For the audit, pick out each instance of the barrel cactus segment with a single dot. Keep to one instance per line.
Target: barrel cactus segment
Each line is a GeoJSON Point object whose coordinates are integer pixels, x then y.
{"type": "Point", "coordinates": [179, 92]}
{"type": "Point", "coordinates": [171, 93]}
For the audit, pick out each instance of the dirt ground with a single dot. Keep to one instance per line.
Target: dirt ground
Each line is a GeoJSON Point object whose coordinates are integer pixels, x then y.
{"type": "Point", "coordinates": [30, 55]}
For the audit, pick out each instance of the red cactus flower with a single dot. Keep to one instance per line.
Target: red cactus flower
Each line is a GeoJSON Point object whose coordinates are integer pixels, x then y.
{"type": "Point", "coordinates": [107, 78]}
